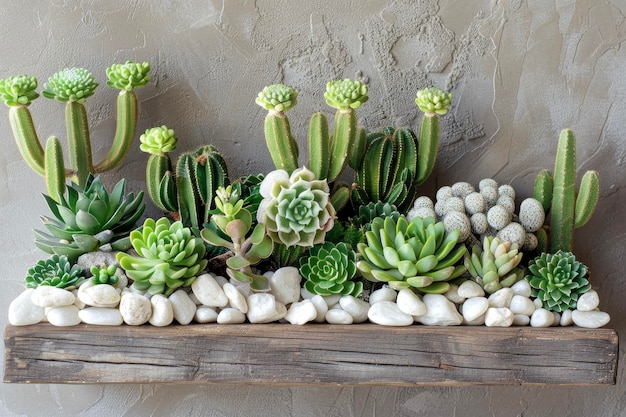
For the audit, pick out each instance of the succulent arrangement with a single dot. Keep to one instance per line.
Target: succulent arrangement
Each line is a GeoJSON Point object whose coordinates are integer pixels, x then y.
{"type": "Point", "coordinates": [495, 265]}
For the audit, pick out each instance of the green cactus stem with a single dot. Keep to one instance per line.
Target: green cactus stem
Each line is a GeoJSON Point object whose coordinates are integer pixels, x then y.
{"type": "Point", "coordinates": [319, 145]}
{"type": "Point", "coordinates": [54, 168]}
{"type": "Point", "coordinates": [587, 198]}
{"type": "Point", "coordinates": [544, 185]}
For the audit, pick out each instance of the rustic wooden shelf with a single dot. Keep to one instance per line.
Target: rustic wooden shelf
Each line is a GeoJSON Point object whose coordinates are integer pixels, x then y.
{"type": "Point", "coordinates": [363, 354]}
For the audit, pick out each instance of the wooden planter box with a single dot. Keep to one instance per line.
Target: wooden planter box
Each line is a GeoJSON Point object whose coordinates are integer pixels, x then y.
{"type": "Point", "coordinates": [363, 354]}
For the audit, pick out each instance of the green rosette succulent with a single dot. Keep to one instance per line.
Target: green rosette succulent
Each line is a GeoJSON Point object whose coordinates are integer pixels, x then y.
{"type": "Point", "coordinates": [296, 209]}
{"type": "Point", "coordinates": [277, 97]}
{"type": "Point", "coordinates": [70, 84]}
{"type": "Point", "coordinates": [558, 280]}
{"type": "Point", "coordinates": [495, 265]}
{"type": "Point", "coordinates": [87, 218]}
{"type": "Point", "coordinates": [18, 90]}
{"type": "Point", "coordinates": [368, 212]}
{"type": "Point", "coordinates": [418, 254]}
{"type": "Point", "coordinates": [129, 75]}
{"type": "Point", "coordinates": [433, 101]}
{"type": "Point", "coordinates": [169, 257]}
{"type": "Point", "coordinates": [57, 271]}
{"type": "Point", "coordinates": [345, 94]}
{"type": "Point", "coordinates": [104, 275]}
{"type": "Point", "coordinates": [329, 270]}
{"type": "Point", "coordinates": [158, 141]}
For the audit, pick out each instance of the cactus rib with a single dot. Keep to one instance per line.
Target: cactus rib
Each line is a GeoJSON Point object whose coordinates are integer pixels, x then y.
{"type": "Point", "coordinates": [319, 145]}
{"type": "Point", "coordinates": [428, 145]}
{"type": "Point", "coordinates": [54, 168]}
{"type": "Point", "coordinates": [25, 135]}
{"type": "Point", "coordinates": [280, 142]}
{"type": "Point", "coordinates": [562, 211]}
{"type": "Point", "coordinates": [341, 141]}
{"type": "Point", "coordinates": [587, 199]}
{"type": "Point", "coordinates": [79, 142]}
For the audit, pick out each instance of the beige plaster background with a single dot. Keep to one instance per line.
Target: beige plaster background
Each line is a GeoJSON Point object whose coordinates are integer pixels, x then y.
{"type": "Point", "coordinates": [519, 71]}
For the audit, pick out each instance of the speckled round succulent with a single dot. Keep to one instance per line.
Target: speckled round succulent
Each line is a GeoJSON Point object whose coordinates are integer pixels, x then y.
{"type": "Point", "coordinates": [462, 189]}
{"type": "Point", "coordinates": [531, 214]}
{"type": "Point", "coordinates": [490, 194]}
{"type": "Point", "coordinates": [70, 84]}
{"type": "Point", "coordinates": [507, 202]}
{"type": "Point", "coordinates": [57, 271]}
{"type": "Point", "coordinates": [158, 140]}
{"type": "Point", "coordinates": [129, 75]}
{"type": "Point", "coordinates": [479, 223]}
{"type": "Point", "coordinates": [277, 97]}
{"type": "Point", "coordinates": [498, 217]}
{"type": "Point", "coordinates": [488, 182]}
{"type": "Point", "coordinates": [506, 189]}
{"type": "Point", "coordinates": [474, 203]}
{"type": "Point", "coordinates": [18, 90]}
{"type": "Point", "coordinates": [455, 204]}
{"type": "Point", "coordinates": [514, 233]}
{"type": "Point", "coordinates": [433, 101]}
{"type": "Point", "coordinates": [456, 220]}
{"type": "Point", "coordinates": [345, 94]}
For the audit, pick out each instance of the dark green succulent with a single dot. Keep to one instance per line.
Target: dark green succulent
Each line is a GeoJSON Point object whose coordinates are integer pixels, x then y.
{"type": "Point", "coordinates": [55, 272]}
{"type": "Point", "coordinates": [88, 218]}
{"type": "Point", "coordinates": [557, 280]}
{"type": "Point", "coordinates": [104, 275]}
{"type": "Point", "coordinates": [70, 84]}
{"type": "Point", "coordinates": [370, 211]}
{"type": "Point", "coordinates": [329, 270]}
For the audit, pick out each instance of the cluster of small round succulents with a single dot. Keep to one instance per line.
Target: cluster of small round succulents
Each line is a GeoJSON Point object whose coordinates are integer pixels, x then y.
{"type": "Point", "coordinates": [488, 211]}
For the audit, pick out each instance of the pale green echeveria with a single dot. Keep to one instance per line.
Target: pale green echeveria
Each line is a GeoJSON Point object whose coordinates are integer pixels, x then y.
{"type": "Point", "coordinates": [329, 270]}
{"type": "Point", "coordinates": [18, 90]}
{"type": "Point", "coordinates": [296, 209]}
{"type": "Point", "coordinates": [57, 271]}
{"type": "Point", "coordinates": [277, 97]}
{"type": "Point", "coordinates": [169, 257]}
{"type": "Point", "coordinates": [345, 94]}
{"type": "Point", "coordinates": [158, 140]}
{"type": "Point", "coordinates": [433, 101]}
{"type": "Point", "coordinates": [70, 84]}
{"type": "Point", "coordinates": [128, 76]}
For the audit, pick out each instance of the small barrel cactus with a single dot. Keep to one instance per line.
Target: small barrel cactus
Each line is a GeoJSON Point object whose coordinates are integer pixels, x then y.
{"type": "Point", "coordinates": [55, 272]}
{"type": "Point", "coordinates": [169, 256]}
{"type": "Point", "coordinates": [329, 270]}
{"type": "Point", "coordinates": [558, 280]}
{"type": "Point", "coordinates": [104, 275]}
{"type": "Point", "coordinates": [495, 264]}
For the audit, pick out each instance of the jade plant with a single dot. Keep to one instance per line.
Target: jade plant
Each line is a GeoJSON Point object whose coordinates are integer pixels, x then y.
{"type": "Point", "coordinates": [104, 275]}
{"type": "Point", "coordinates": [187, 192]}
{"type": "Point", "coordinates": [558, 280]}
{"type": "Point", "coordinates": [57, 271]}
{"type": "Point", "coordinates": [247, 246]}
{"type": "Point", "coordinates": [73, 86]}
{"type": "Point", "coordinates": [418, 254]}
{"type": "Point", "coordinates": [495, 265]}
{"type": "Point", "coordinates": [169, 256]}
{"type": "Point", "coordinates": [87, 218]}
{"type": "Point", "coordinates": [329, 269]}
{"type": "Point", "coordinates": [566, 207]}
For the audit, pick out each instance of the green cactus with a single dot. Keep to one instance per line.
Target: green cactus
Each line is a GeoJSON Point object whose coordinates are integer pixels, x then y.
{"type": "Point", "coordinates": [494, 266]}
{"type": "Point", "coordinates": [568, 209]}
{"type": "Point", "coordinates": [188, 193]}
{"type": "Point", "coordinates": [73, 86]}
{"type": "Point", "coordinates": [57, 271]}
{"type": "Point", "coordinates": [329, 270]}
{"type": "Point", "coordinates": [417, 254]}
{"type": "Point", "coordinates": [246, 248]}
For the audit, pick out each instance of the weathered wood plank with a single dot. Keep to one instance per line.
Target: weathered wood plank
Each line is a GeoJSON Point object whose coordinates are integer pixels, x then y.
{"type": "Point", "coordinates": [363, 354]}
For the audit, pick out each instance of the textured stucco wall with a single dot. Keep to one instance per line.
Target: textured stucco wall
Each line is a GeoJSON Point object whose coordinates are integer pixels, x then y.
{"type": "Point", "coordinates": [520, 71]}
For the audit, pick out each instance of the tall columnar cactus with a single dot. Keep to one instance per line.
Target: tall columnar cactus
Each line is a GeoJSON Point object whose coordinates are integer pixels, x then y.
{"type": "Point", "coordinates": [73, 86]}
{"type": "Point", "coordinates": [568, 209]}
{"type": "Point", "coordinates": [188, 192]}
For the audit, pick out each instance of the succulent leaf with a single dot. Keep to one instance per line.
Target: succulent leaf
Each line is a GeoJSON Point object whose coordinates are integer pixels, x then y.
{"type": "Point", "coordinates": [158, 140]}
{"type": "Point", "coordinates": [128, 76]}
{"type": "Point", "coordinates": [18, 90]}
{"type": "Point", "coordinates": [70, 84]}
{"type": "Point", "coordinates": [345, 94]}
{"type": "Point", "coordinates": [433, 101]}
{"type": "Point", "coordinates": [277, 97]}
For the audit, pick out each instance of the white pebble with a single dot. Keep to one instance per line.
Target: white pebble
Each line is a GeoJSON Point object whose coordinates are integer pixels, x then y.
{"type": "Point", "coordinates": [231, 316]}
{"type": "Point", "coordinates": [320, 306]}
{"type": "Point", "coordinates": [101, 316]}
{"type": "Point", "coordinates": [184, 308]}
{"type": "Point", "coordinates": [208, 291]}
{"type": "Point", "coordinates": [474, 307]}
{"type": "Point", "coordinates": [356, 307]}
{"type": "Point", "coordinates": [521, 320]}
{"type": "Point", "coordinates": [263, 308]}
{"type": "Point", "coordinates": [538, 303]}
{"type": "Point", "coordinates": [338, 316]}
{"type": "Point", "coordinates": [501, 298]}
{"type": "Point", "coordinates": [285, 284]}
{"type": "Point", "coordinates": [23, 312]}
{"type": "Point", "coordinates": [47, 296]}
{"type": "Point", "coordinates": [220, 279]}
{"type": "Point", "coordinates": [301, 312]}
{"type": "Point", "coordinates": [63, 316]}
{"type": "Point", "coordinates": [235, 298]}
{"type": "Point", "coordinates": [522, 305]}
{"type": "Point", "coordinates": [541, 318]}
{"type": "Point", "coordinates": [439, 311]}
{"type": "Point", "coordinates": [135, 309]}
{"type": "Point", "coordinates": [590, 319]}
{"type": "Point", "coordinates": [410, 303]}
{"type": "Point", "coordinates": [521, 287]}
{"type": "Point", "coordinates": [100, 295]}
{"type": "Point", "coordinates": [589, 301]}
{"type": "Point", "coordinates": [453, 294]}
{"type": "Point", "coordinates": [566, 318]}
{"type": "Point", "coordinates": [332, 300]}
{"type": "Point", "coordinates": [469, 289]}
{"type": "Point", "coordinates": [162, 311]}
{"type": "Point", "coordinates": [206, 314]}
{"type": "Point", "coordinates": [387, 313]}
{"type": "Point", "coordinates": [383, 294]}
{"type": "Point", "coordinates": [499, 317]}
{"type": "Point", "coordinates": [557, 318]}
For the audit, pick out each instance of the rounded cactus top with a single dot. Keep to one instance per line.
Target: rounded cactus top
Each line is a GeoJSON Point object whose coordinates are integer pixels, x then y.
{"type": "Point", "coordinates": [18, 90]}
{"type": "Point", "coordinates": [277, 97]}
{"type": "Point", "coordinates": [128, 75]}
{"type": "Point", "coordinates": [346, 94]}
{"type": "Point", "coordinates": [70, 84]}
{"type": "Point", "coordinates": [158, 140]}
{"type": "Point", "coordinates": [433, 101]}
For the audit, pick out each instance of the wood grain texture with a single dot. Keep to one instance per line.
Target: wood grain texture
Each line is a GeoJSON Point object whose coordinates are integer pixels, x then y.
{"type": "Point", "coordinates": [364, 354]}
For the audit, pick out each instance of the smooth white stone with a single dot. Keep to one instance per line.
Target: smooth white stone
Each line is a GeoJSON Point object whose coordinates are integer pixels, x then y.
{"type": "Point", "coordinates": [453, 294]}
{"type": "Point", "coordinates": [206, 314]}
{"type": "Point", "coordinates": [305, 294]}
{"type": "Point", "coordinates": [521, 287]}
{"type": "Point", "coordinates": [474, 307]}
{"type": "Point", "coordinates": [335, 307]}
{"type": "Point", "coordinates": [209, 292]}
{"type": "Point", "coordinates": [22, 310]}
{"type": "Point", "coordinates": [194, 299]}
{"type": "Point", "coordinates": [101, 295]}
{"type": "Point", "coordinates": [469, 289]}
{"type": "Point", "coordinates": [219, 279]}
{"type": "Point", "coordinates": [102, 316]}
{"type": "Point", "coordinates": [499, 317]}
{"type": "Point", "coordinates": [521, 320]}
{"type": "Point", "coordinates": [410, 303]}
{"type": "Point", "coordinates": [135, 309]}
{"type": "Point", "coordinates": [541, 318]}
{"type": "Point", "coordinates": [320, 306]}
{"type": "Point", "coordinates": [235, 298]}
{"type": "Point", "coordinates": [590, 319]}
{"type": "Point", "coordinates": [557, 318]}
{"type": "Point", "coordinates": [501, 298]}
{"type": "Point", "coordinates": [184, 308]}
{"type": "Point", "coordinates": [63, 316]}
{"type": "Point", "coordinates": [268, 274]}
{"type": "Point", "coordinates": [566, 318]}
{"type": "Point", "coordinates": [47, 296]}
{"type": "Point", "coordinates": [162, 311]}
{"type": "Point", "coordinates": [538, 303]}
{"type": "Point", "coordinates": [356, 307]}
{"type": "Point", "coordinates": [439, 311]}
{"type": "Point", "coordinates": [231, 316]}
{"type": "Point", "coordinates": [78, 303]}
{"type": "Point", "coordinates": [338, 316]}
{"type": "Point", "coordinates": [285, 284]}
{"type": "Point", "coordinates": [387, 313]}
{"type": "Point", "coordinates": [522, 305]}
{"type": "Point", "coordinates": [332, 300]}
{"type": "Point", "coordinates": [383, 294]}
{"type": "Point", "coordinates": [478, 321]}
{"type": "Point", "coordinates": [589, 301]}
{"type": "Point", "coordinates": [263, 308]}
{"type": "Point", "coordinates": [301, 312]}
